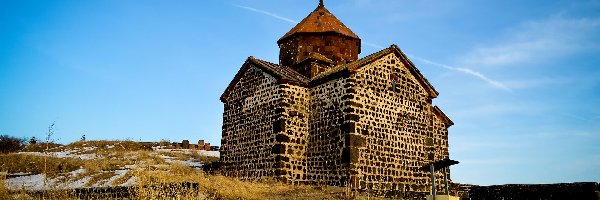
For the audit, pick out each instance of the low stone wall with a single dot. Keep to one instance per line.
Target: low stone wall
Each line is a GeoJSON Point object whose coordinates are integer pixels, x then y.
{"type": "Point", "coordinates": [117, 192]}
{"type": "Point", "coordinates": [580, 191]}
{"type": "Point", "coordinates": [185, 144]}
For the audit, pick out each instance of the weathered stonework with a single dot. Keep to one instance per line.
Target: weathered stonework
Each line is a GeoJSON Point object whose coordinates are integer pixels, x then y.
{"type": "Point", "coordinates": [392, 113]}
{"type": "Point", "coordinates": [368, 124]}
{"type": "Point", "coordinates": [248, 141]}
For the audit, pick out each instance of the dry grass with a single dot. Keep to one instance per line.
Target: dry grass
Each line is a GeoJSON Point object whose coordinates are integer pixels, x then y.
{"type": "Point", "coordinates": [152, 159]}
{"type": "Point", "coordinates": [3, 191]}
{"type": "Point", "coordinates": [229, 188]}
{"type": "Point", "coordinates": [176, 155]}
{"type": "Point", "coordinates": [108, 145]}
{"type": "Point", "coordinates": [158, 185]}
{"type": "Point", "coordinates": [156, 179]}
{"type": "Point", "coordinates": [182, 182]}
{"type": "Point", "coordinates": [180, 169]}
{"type": "Point", "coordinates": [41, 147]}
{"type": "Point", "coordinates": [105, 164]}
{"type": "Point", "coordinates": [98, 177]}
{"type": "Point", "coordinates": [14, 163]}
{"type": "Point", "coordinates": [202, 158]}
{"type": "Point", "coordinates": [123, 178]}
{"type": "Point", "coordinates": [219, 187]}
{"type": "Point", "coordinates": [189, 155]}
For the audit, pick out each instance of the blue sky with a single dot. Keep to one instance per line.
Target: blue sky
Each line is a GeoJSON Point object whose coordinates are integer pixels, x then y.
{"type": "Point", "coordinates": [520, 79]}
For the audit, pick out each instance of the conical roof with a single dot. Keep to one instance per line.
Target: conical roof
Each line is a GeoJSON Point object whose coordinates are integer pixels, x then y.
{"type": "Point", "coordinates": [320, 21]}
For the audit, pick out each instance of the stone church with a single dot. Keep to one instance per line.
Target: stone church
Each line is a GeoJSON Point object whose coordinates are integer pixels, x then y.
{"type": "Point", "coordinates": [324, 116]}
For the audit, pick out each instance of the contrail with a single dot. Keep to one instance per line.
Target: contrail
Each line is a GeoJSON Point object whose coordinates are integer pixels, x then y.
{"type": "Point", "coordinates": [458, 69]}
{"type": "Point", "coordinates": [468, 71]}
{"type": "Point", "coordinates": [268, 13]}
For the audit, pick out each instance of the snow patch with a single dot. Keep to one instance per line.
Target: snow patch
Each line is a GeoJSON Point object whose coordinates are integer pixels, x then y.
{"type": "Point", "coordinates": [190, 163]}
{"type": "Point", "coordinates": [63, 154]}
{"type": "Point", "coordinates": [32, 182]}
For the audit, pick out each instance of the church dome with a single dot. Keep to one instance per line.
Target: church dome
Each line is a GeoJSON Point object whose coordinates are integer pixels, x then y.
{"type": "Point", "coordinates": [319, 21]}
{"type": "Point", "coordinates": [317, 43]}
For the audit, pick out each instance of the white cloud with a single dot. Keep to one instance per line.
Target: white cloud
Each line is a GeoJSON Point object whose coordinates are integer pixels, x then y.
{"type": "Point", "coordinates": [539, 40]}
{"type": "Point", "coordinates": [268, 14]}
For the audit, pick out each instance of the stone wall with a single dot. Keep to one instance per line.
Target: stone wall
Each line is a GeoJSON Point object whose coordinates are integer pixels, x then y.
{"type": "Point", "coordinates": [291, 130]}
{"type": "Point", "coordinates": [579, 191]}
{"type": "Point", "coordinates": [117, 192]}
{"type": "Point", "coordinates": [248, 122]}
{"type": "Point", "coordinates": [393, 116]}
{"type": "Point", "coordinates": [326, 138]}
{"type": "Point", "coordinates": [439, 145]}
{"type": "Point", "coordinates": [440, 138]}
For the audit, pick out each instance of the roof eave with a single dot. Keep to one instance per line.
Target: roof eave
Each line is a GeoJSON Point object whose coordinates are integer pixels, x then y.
{"type": "Point", "coordinates": [287, 37]}
{"type": "Point", "coordinates": [236, 78]}
{"type": "Point", "coordinates": [433, 93]}
{"type": "Point", "coordinates": [255, 62]}
{"type": "Point", "coordinates": [445, 117]}
{"type": "Point", "coordinates": [353, 67]}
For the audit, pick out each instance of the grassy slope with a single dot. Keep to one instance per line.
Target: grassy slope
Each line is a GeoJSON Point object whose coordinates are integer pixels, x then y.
{"type": "Point", "coordinates": [149, 168]}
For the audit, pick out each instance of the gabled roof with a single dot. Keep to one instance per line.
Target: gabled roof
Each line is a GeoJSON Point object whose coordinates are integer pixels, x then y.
{"type": "Point", "coordinates": [438, 112]}
{"type": "Point", "coordinates": [356, 65]}
{"type": "Point", "coordinates": [283, 74]}
{"type": "Point", "coordinates": [320, 21]}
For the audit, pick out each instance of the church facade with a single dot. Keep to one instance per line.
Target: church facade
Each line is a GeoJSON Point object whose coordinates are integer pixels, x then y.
{"type": "Point", "coordinates": [322, 116]}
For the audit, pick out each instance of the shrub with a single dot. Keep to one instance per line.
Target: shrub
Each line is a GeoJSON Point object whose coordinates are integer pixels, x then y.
{"type": "Point", "coordinates": [10, 144]}
{"type": "Point", "coordinates": [32, 140]}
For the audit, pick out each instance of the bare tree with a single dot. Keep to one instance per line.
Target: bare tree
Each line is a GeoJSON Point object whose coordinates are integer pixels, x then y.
{"type": "Point", "coordinates": [48, 140]}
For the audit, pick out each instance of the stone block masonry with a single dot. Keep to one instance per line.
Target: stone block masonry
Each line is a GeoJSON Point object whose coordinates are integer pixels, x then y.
{"type": "Point", "coordinates": [393, 115]}
{"type": "Point", "coordinates": [250, 124]}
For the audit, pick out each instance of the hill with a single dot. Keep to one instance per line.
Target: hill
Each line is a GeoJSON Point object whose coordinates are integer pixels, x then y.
{"type": "Point", "coordinates": [133, 170]}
